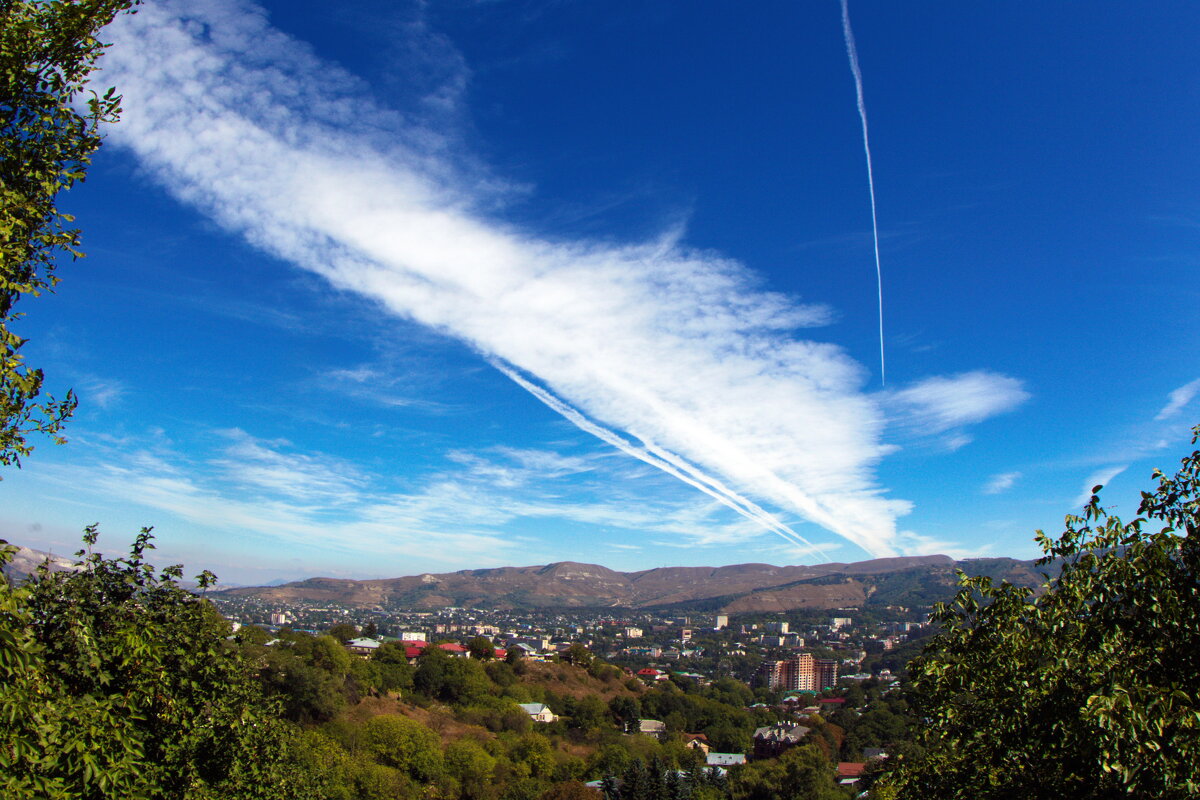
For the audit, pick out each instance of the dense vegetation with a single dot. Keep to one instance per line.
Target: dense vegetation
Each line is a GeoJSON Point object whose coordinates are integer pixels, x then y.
{"type": "Point", "coordinates": [1086, 689]}
{"type": "Point", "coordinates": [119, 683]}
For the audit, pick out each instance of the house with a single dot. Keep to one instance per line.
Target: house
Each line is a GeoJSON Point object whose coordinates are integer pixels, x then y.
{"type": "Point", "coordinates": [848, 772]}
{"type": "Point", "coordinates": [651, 727]}
{"type": "Point", "coordinates": [725, 759]}
{"type": "Point", "coordinates": [651, 674]}
{"type": "Point", "coordinates": [527, 651]}
{"type": "Point", "coordinates": [772, 740]}
{"type": "Point", "coordinates": [831, 704]}
{"type": "Point", "coordinates": [455, 649]}
{"type": "Point", "coordinates": [363, 646]}
{"type": "Point", "coordinates": [538, 712]}
{"type": "Point", "coordinates": [696, 741]}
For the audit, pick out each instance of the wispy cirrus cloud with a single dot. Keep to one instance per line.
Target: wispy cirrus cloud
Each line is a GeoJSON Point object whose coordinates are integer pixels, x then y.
{"type": "Point", "coordinates": [102, 392]}
{"type": "Point", "coordinates": [1100, 477]}
{"type": "Point", "coordinates": [944, 403]}
{"type": "Point", "coordinates": [1179, 400]}
{"type": "Point", "coordinates": [475, 512]}
{"type": "Point", "coordinates": [251, 463]}
{"type": "Point", "coordinates": [915, 544]}
{"type": "Point", "coordinates": [1001, 482]}
{"type": "Point", "coordinates": [678, 353]}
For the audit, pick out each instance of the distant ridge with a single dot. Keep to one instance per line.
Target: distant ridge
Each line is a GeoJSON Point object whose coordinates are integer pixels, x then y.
{"type": "Point", "coordinates": [27, 560]}
{"type": "Point", "coordinates": [909, 580]}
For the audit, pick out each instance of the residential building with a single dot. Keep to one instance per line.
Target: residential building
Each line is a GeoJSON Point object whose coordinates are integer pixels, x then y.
{"type": "Point", "coordinates": [724, 759]}
{"type": "Point", "coordinates": [772, 740]}
{"type": "Point", "coordinates": [538, 712]}
{"type": "Point", "coordinates": [363, 646]}
{"type": "Point", "coordinates": [801, 672]}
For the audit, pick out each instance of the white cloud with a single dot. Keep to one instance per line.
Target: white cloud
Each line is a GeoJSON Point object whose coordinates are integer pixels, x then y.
{"type": "Point", "coordinates": [1179, 399]}
{"type": "Point", "coordinates": [251, 462]}
{"type": "Point", "coordinates": [1100, 477]}
{"type": "Point", "coordinates": [1001, 482]}
{"type": "Point", "coordinates": [452, 519]}
{"type": "Point", "coordinates": [944, 403]}
{"type": "Point", "coordinates": [910, 543]}
{"type": "Point", "coordinates": [679, 350]}
{"type": "Point", "coordinates": [103, 392]}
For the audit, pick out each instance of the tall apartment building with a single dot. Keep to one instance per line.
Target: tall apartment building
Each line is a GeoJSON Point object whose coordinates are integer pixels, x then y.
{"type": "Point", "coordinates": [826, 670]}
{"type": "Point", "coordinates": [800, 672]}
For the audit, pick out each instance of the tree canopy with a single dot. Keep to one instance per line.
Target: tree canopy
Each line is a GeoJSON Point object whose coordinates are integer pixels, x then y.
{"type": "Point", "coordinates": [1086, 689]}
{"type": "Point", "coordinates": [117, 682]}
{"type": "Point", "coordinates": [48, 51]}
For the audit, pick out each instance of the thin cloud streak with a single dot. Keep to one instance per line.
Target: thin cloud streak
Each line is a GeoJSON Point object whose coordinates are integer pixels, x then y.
{"type": "Point", "coordinates": [666, 462]}
{"type": "Point", "coordinates": [1098, 478]}
{"type": "Point", "coordinates": [677, 348]}
{"type": "Point", "coordinates": [852, 53]}
{"type": "Point", "coordinates": [1001, 483]}
{"type": "Point", "coordinates": [450, 516]}
{"type": "Point", "coordinates": [1178, 400]}
{"type": "Point", "coordinates": [945, 403]}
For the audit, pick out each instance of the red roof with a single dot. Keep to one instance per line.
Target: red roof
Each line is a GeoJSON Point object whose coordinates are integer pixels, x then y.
{"type": "Point", "coordinates": [832, 700]}
{"type": "Point", "coordinates": [451, 647]}
{"type": "Point", "coordinates": [412, 651]}
{"type": "Point", "coordinates": [648, 671]}
{"type": "Point", "coordinates": [850, 769]}
{"type": "Point", "coordinates": [501, 653]}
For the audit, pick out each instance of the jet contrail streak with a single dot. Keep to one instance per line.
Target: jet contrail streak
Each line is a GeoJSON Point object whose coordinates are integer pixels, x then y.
{"type": "Point", "coordinates": [670, 464]}
{"type": "Point", "coordinates": [852, 51]}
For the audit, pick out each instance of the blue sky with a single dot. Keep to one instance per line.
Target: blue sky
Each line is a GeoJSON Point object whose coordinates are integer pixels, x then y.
{"type": "Point", "coordinates": [375, 289]}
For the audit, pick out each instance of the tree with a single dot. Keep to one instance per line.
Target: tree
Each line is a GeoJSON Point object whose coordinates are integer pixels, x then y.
{"type": "Point", "coordinates": [404, 744]}
{"type": "Point", "coordinates": [343, 632]}
{"type": "Point", "coordinates": [481, 648]}
{"type": "Point", "coordinates": [801, 773]}
{"type": "Point", "coordinates": [471, 766]}
{"type": "Point", "coordinates": [579, 655]}
{"type": "Point", "coordinates": [1086, 689]}
{"type": "Point", "coordinates": [116, 682]}
{"type": "Point", "coordinates": [48, 50]}
{"type": "Point", "coordinates": [625, 712]}
{"type": "Point", "coordinates": [394, 669]}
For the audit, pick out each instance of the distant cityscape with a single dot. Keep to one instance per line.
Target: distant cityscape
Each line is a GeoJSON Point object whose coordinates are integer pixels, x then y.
{"type": "Point", "coordinates": [806, 650]}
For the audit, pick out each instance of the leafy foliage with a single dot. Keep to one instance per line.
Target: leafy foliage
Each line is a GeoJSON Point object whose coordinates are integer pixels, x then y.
{"type": "Point", "coordinates": [1087, 689]}
{"type": "Point", "coordinates": [119, 683]}
{"type": "Point", "coordinates": [801, 773]}
{"type": "Point", "coordinates": [48, 50]}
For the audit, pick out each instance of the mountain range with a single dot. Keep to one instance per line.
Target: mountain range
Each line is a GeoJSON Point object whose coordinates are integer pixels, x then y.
{"type": "Point", "coordinates": [912, 580]}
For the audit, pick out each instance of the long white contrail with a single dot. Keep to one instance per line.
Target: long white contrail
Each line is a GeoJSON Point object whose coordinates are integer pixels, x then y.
{"type": "Point", "coordinates": [852, 51]}
{"type": "Point", "coordinates": [667, 462]}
